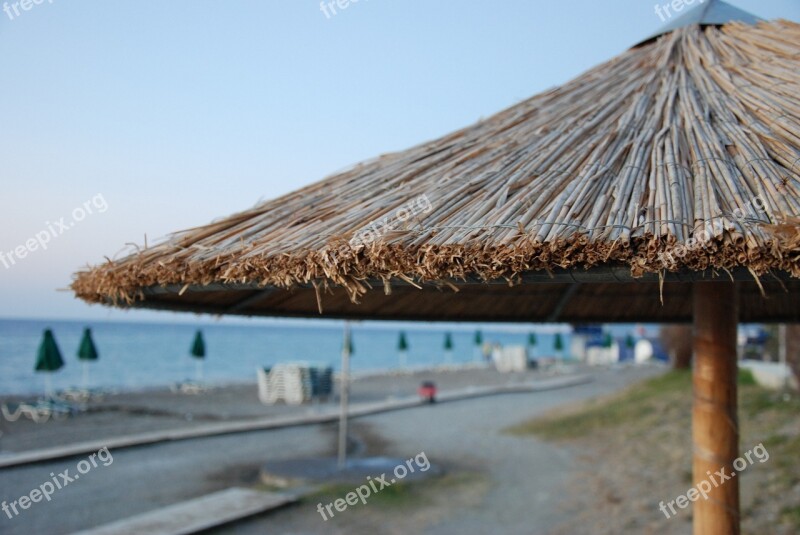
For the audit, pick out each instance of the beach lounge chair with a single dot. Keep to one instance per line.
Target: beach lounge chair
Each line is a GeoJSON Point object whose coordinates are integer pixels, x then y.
{"type": "Point", "coordinates": [39, 411]}
{"type": "Point", "coordinates": [82, 395]}
{"type": "Point", "coordinates": [11, 412]}
{"type": "Point", "coordinates": [190, 387]}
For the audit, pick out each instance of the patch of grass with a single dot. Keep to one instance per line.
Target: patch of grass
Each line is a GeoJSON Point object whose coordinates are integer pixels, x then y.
{"type": "Point", "coordinates": [400, 494]}
{"type": "Point", "coordinates": [642, 400]}
{"type": "Point", "coordinates": [332, 490]}
{"type": "Point", "coordinates": [774, 441]}
{"type": "Point", "coordinates": [755, 400]}
{"type": "Point", "coordinates": [791, 515]}
{"type": "Point", "coordinates": [633, 404]}
{"type": "Point", "coordinates": [766, 416]}
{"type": "Point", "coordinates": [746, 377]}
{"type": "Point", "coordinates": [654, 417]}
{"type": "Point", "coordinates": [394, 495]}
{"type": "Point", "coordinates": [686, 476]}
{"type": "Point", "coordinates": [784, 452]}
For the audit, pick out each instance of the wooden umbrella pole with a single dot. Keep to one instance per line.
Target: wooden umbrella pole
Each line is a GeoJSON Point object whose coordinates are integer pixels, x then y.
{"type": "Point", "coordinates": [715, 430]}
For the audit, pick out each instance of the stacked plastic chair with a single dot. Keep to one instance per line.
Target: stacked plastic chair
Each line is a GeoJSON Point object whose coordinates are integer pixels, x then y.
{"type": "Point", "coordinates": [294, 383]}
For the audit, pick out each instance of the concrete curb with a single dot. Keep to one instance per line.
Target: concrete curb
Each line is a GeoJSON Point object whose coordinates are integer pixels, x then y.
{"type": "Point", "coordinates": [224, 428]}
{"type": "Point", "coordinates": [199, 514]}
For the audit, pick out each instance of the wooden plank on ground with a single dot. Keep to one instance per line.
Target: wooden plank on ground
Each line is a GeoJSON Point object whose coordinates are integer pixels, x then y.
{"type": "Point", "coordinates": [196, 515]}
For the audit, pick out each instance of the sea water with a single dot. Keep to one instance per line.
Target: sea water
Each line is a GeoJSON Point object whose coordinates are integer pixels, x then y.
{"type": "Point", "coordinates": [135, 356]}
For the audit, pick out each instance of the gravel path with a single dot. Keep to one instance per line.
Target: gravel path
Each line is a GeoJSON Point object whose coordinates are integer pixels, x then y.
{"type": "Point", "coordinates": [496, 483]}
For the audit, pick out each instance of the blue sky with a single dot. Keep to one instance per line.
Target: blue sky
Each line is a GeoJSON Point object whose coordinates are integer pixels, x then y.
{"type": "Point", "coordinates": [172, 114]}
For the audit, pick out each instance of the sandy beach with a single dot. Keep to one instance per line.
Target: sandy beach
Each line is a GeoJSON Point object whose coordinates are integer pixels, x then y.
{"type": "Point", "coordinates": [161, 408]}
{"type": "Point", "coordinates": [482, 485]}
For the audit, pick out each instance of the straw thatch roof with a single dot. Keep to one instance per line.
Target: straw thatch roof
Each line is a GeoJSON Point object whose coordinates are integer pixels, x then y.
{"type": "Point", "coordinates": [680, 155]}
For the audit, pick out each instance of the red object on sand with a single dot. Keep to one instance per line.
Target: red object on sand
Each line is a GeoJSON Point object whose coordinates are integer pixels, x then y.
{"type": "Point", "coordinates": [427, 391]}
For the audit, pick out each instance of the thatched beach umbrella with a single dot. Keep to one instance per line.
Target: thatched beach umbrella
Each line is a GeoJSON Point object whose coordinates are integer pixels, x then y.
{"type": "Point", "coordinates": [662, 185]}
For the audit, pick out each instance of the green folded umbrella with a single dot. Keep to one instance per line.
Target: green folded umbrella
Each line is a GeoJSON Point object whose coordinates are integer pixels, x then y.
{"type": "Point", "coordinates": [607, 340]}
{"type": "Point", "coordinates": [478, 338]}
{"type": "Point", "coordinates": [198, 352]}
{"type": "Point", "coordinates": [402, 349]}
{"type": "Point", "coordinates": [87, 352]}
{"type": "Point", "coordinates": [49, 357]}
{"type": "Point", "coordinates": [198, 346]}
{"type": "Point", "coordinates": [348, 343]}
{"type": "Point", "coordinates": [532, 339]}
{"type": "Point", "coordinates": [48, 360]}
{"type": "Point", "coordinates": [87, 349]}
{"type": "Point", "coordinates": [558, 344]}
{"type": "Point", "coordinates": [629, 341]}
{"type": "Point", "coordinates": [448, 348]}
{"type": "Point", "coordinates": [402, 344]}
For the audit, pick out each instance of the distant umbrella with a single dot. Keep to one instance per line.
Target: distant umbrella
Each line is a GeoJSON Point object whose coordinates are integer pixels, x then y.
{"type": "Point", "coordinates": [198, 352]}
{"type": "Point", "coordinates": [402, 343]}
{"type": "Point", "coordinates": [402, 348]}
{"type": "Point", "coordinates": [448, 347]}
{"type": "Point", "coordinates": [198, 346]}
{"type": "Point", "coordinates": [476, 352]}
{"type": "Point", "coordinates": [607, 341]}
{"type": "Point", "coordinates": [558, 343]}
{"type": "Point", "coordinates": [348, 343]}
{"type": "Point", "coordinates": [87, 349]}
{"type": "Point", "coordinates": [87, 352]}
{"type": "Point", "coordinates": [531, 346]}
{"type": "Point", "coordinates": [630, 342]}
{"type": "Point", "coordinates": [48, 359]}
